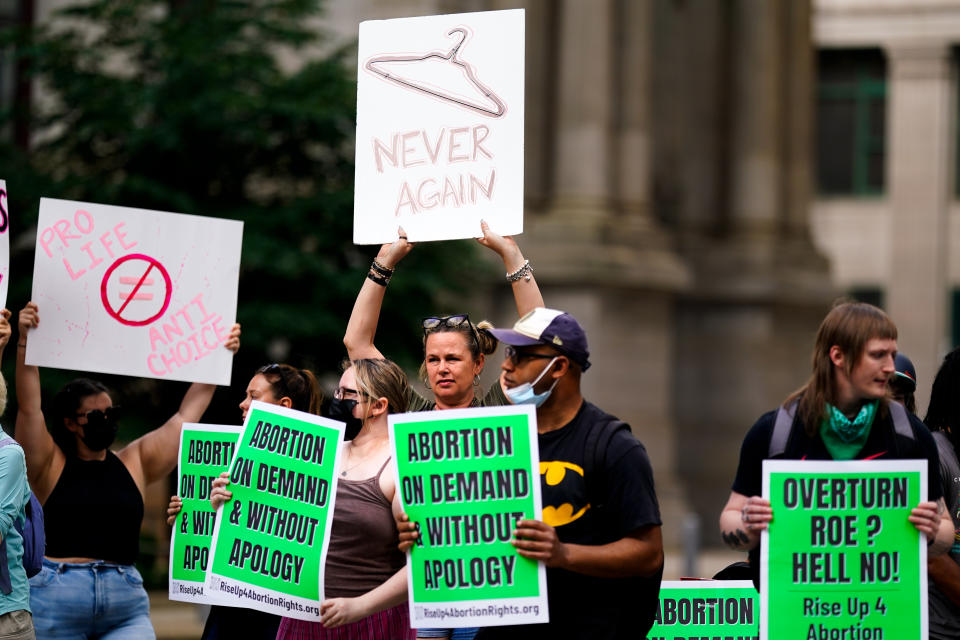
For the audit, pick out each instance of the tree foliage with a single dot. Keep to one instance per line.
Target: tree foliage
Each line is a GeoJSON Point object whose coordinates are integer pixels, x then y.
{"type": "Point", "coordinates": [184, 105]}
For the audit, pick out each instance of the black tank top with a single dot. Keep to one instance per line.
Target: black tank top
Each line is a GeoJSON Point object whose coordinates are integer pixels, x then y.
{"type": "Point", "coordinates": [95, 511]}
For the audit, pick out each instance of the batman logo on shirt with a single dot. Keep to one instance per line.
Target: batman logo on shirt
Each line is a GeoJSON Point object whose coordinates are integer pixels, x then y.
{"type": "Point", "coordinates": [554, 473]}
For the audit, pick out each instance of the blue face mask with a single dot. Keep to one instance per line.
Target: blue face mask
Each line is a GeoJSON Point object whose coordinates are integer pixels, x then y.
{"type": "Point", "coordinates": [524, 393]}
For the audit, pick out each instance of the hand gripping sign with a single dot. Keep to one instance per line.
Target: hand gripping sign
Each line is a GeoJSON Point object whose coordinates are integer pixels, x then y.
{"type": "Point", "coordinates": [270, 539]}
{"type": "Point", "coordinates": [841, 559]}
{"type": "Point", "coordinates": [466, 476]}
{"type": "Point", "coordinates": [439, 126]}
{"type": "Point", "coordinates": [206, 450]}
{"type": "Point", "coordinates": [134, 292]}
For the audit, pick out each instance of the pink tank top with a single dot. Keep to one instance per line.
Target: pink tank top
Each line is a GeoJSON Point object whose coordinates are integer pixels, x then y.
{"type": "Point", "coordinates": [363, 550]}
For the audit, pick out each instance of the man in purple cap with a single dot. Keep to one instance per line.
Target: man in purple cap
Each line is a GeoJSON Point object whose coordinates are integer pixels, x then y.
{"type": "Point", "coordinates": [600, 534]}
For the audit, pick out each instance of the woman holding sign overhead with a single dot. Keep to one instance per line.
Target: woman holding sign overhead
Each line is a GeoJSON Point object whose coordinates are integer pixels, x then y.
{"type": "Point", "coordinates": [365, 577]}
{"type": "Point", "coordinates": [454, 348]}
{"type": "Point", "coordinates": [842, 413]}
{"type": "Point", "coordinates": [285, 386]}
{"type": "Point", "coordinates": [93, 499]}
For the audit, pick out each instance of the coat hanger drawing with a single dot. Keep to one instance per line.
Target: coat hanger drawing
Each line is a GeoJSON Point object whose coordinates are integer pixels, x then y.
{"type": "Point", "coordinates": [496, 111]}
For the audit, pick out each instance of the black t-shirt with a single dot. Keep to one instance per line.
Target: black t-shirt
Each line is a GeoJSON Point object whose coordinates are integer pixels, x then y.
{"type": "Point", "coordinates": [883, 443]}
{"type": "Point", "coordinates": [596, 489]}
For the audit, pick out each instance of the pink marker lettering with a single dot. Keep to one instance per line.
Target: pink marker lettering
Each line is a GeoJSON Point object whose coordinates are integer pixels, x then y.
{"type": "Point", "coordinates": [409, 159]}
{"type": "Point", "coordinates": [435, 153]}
{"type": "Point", "coordinates": [478, 139]}
{"type": "Point", "coordinates": [380, 151]}
{"type": "Point", "coordinates": [94, 261]}
{"type": "Point", "coordinates": [454, 145]}
{"type": "Point", "coordinates": [199, 302]}
{"type": "Point", "coordinates": [203, 335]}
{"type": "Point", "coordinates": [150, 361]}
{"type": "Point", "coordinates": [431, 200]}
{"type": "Point", "coordinates": [121, 236]}
{"type": "Point", "coordinates": [73, 276]}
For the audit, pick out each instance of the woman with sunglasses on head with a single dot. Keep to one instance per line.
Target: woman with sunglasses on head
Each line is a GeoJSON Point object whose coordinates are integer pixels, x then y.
{"type": "Point", "coordinates": [454, 348]}
{"type": "Point", "coordinates": [286, 386]}
{"type": "Point", "coordinates": [365, 581]}
{"type": "Point", "coordinates": [92, 499]}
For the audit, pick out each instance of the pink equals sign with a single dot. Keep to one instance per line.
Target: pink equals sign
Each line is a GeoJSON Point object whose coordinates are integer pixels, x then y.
{"type": "Point", "coordinates": [137, 294]}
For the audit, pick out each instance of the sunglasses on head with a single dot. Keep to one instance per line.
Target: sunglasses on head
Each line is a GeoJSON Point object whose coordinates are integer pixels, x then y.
{"type": "Point", "coordinates": [454, 322]}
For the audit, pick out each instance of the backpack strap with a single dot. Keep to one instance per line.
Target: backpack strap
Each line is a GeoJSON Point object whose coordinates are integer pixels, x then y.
{"type": "Point", "coordinates": [901, 421]}
{"type": "Point", "coordinates": [781, 429]}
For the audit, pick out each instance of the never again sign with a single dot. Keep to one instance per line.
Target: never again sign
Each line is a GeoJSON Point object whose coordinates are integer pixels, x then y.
{"type": "Point", "coordinates": [271, 538]}
{"type": "Point", "coordinates": [466, 476]}
{"type": "Point", "coordinates": [841, 559]}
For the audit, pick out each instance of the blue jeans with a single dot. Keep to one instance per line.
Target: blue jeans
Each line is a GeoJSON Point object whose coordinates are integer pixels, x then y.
{"type": "Point", "coordinates": [91, 600]}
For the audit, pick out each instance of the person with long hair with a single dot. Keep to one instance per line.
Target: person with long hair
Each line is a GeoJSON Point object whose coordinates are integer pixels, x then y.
{"type": "Point", "coordinates": [92, 499]}
{"type": "Point", "coordinates": [365, 574]}
{"type": "Point", "coordinates": [286, 386]}
{"type": "Point", "coordinates": [841, 413]}
{"type": "Point", "coordinates": [943, 571]}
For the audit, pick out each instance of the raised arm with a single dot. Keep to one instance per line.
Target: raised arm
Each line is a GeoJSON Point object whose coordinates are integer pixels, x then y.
{"type": "Point", "coordinates": [362, 327]}
{"type": "Point", "coordinates": [742, 520]}
{"type": "Point", "coordinates": [154, 455]}
{"type": "Point", "coordinates": [526, 292]}
{"type": "Point", "coordinates": [44, 458]}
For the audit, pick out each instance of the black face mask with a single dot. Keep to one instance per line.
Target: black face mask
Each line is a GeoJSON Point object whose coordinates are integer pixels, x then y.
{"type": "Point", "coordinates": [100, 429]}
{"type": "Point", "coordinates": [342, 410]}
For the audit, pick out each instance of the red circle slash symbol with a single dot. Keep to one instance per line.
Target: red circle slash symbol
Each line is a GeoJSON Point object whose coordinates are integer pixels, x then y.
{"type": "Point", "coordinates": [137, 283]}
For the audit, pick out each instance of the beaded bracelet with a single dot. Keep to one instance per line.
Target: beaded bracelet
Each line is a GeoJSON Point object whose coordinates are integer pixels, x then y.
{"type": "Point", "coordinates": [378, 279]}
{"type": "Point", "coordinates": [523, 272]}
{"type": "Point", "coordinates": [386, 272]}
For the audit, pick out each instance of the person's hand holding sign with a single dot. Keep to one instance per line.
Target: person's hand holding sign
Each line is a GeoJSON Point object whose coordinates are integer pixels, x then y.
{"type": "Point", "coordinates": [218, 491]}
{"type": "Point", "coordinates": [5, 329]}
{"type": "Point", "coordinates": [742, 520]}
{"type": "Point", "coordinates": [933, 520]}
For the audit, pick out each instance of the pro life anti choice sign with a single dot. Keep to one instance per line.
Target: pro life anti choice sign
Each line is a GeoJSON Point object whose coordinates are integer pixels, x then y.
{"type": "Point", "coordinates": [840, 560]}
{"type": "Point", "coordinates": [466, 476]}
{"type": "Point", "coordinates": [134, 292]}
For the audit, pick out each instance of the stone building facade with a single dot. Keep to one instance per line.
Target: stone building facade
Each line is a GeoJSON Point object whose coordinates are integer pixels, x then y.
{"type": "Point", "coordinates": [668, 187]}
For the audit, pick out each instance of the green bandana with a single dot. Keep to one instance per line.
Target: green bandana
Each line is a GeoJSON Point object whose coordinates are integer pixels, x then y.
{"type": "Point", "coordinates": [843, 437]}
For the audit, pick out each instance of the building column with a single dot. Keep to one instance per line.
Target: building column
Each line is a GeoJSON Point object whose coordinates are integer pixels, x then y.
{"type": "Point", "coordinates": [920, 113]}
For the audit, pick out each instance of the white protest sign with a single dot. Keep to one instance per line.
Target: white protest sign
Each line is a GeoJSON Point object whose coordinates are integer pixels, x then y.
{"type": "Point", "coordinates": [134, 292]}
{"type": "Point", "coordinates": [4, 244]}
{"type": "Point", "coordinates": [439, 126]}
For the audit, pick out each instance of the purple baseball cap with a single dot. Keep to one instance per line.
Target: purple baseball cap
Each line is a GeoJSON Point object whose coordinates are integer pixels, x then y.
{"type": "Point", "coordinates": [557, 329]}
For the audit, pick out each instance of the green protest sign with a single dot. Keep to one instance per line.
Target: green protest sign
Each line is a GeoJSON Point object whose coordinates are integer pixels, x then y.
{"type": "Point", "coordinates": [271, 538]}
{"type": "Point", "coordinates": [841, 561]}
{"type": "Point", "coordinates": [466, 476]}
{"type": "Point", "coordinates": [205, 451]}
{"type": "Point", "coordinates": [698, 609]}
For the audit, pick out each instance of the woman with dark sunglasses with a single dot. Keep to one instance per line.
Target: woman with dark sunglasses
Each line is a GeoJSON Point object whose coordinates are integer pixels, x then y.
{"type": "Point", "coordinates": [454, 348]}
{"type": "Point", "coordinates": [92, 499]}
{"type": "Point", "coordinates": [286, 386]}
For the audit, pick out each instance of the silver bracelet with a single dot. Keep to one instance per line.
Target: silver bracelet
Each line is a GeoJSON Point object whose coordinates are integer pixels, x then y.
{"type": "Point", "coordinates": [523, 272]}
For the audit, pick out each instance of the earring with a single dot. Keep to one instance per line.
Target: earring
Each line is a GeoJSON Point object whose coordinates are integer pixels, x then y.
{"type": "Point", "coordinates": [476, 380]}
